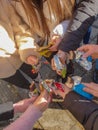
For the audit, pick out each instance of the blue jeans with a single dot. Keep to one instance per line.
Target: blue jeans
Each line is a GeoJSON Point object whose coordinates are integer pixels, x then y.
{"type": "Point", "coordinates": [87, 36]}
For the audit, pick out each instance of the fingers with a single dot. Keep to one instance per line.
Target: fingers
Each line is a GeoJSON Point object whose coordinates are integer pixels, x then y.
{"type": "Point", "coordinates": [83, 48]}
{"type": "Point", "coordinates": [91, 85]}
{"type": "Point", "coordinates": [43, 101]}
{"type": "Point", "coordinates": [32, 60]}
{"type": "Point", "coordinates": [46, 95]}
{"type": "Point", "coordinates": [58, 72]}
{"type": "Point", "coordinates": [91, 88]}
{"type": "Point", "coordinates": [33, 98]}
{"type": "Point", "coordinates": [87, 49]}
{"type": "Point", "coordinates": [88, 53]}
{"type": "Point", "coordinates": [53, 48]}
{"type": "Point", "coordinates": [91, 91]}
{"type": "Point", "coordinates": [53, 65]}
{"type": "Point", "coordinates": [95, 55]}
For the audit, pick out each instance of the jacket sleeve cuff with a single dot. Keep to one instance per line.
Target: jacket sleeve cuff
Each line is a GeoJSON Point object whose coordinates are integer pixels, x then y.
{"type": "Point", "coordinates": [6, 111]}
{"type": "Point", "coordinates": [24, 54]}
{"type": "Point", "coordinates": [79, 106]}
{"type": "Point", "coordinates": [28, 48]}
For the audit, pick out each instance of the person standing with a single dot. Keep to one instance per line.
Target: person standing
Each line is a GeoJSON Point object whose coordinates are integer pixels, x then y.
{"type": "Point", "coordinates": [22, 33]}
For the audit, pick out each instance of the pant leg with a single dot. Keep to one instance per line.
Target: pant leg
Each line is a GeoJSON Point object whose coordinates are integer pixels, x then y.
{"type": "Point", "coordinates": [18, 79]}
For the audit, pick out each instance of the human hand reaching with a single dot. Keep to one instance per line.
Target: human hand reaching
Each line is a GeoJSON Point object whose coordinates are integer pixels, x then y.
{"type": "Point", "coordinates": [32, 60]}
{"type": "Point", "coordinates": [56, 39]}
{"type": "Point", "coordinates": [67, 89]}
{"type": "Point", "coordinates": [22, 105]}
{"type": "Point", "coordinates": [42, 101]}
{"type": "Point", "coordinates": [91, 88]}
{"type": "Point", "coordinates": [63, 57]}
{"type": "Point", "coordinates": [90, 50]}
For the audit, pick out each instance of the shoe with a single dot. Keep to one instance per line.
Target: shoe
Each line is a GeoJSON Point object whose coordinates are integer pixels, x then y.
{"type": "Point", "coordinates": [95, 77]}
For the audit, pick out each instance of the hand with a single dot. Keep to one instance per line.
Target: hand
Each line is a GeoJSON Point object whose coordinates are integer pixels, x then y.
{"type": "Point", "coordinates": [62, 55]}
{"type": "Point", "coordinates": [91, 88]}
{"type": "Point", "coordinates": [63, 94]}
{"type": "Point", "coordinates": [90, 50]}
{"type": "Point", "coordinates": [22, 105]}
{"type": "Point", "coordinates": [32, 60]}
{"type": "Point", "coordinates": [42, 101]}
{"type": "Point", "coordinates": [56, 39]}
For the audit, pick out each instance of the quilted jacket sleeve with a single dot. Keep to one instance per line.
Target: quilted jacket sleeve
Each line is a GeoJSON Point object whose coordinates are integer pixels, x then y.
{"type": "Point", "coordinates": [83, 18]}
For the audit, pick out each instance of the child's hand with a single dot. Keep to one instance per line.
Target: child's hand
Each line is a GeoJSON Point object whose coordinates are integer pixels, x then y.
{"type": "Point", "coordinates": [63, 94]}
{"type": "Point", "coordinates": [42, 101]}
{"type": "Point", "coordinates": [91, 88]}
{"type": "Point", "coordinates": [22, 105]}
{"type": "Point", "coordinates": [32, 60]}
{"type": "Point", "coordinates": [56, 39]}
{"type": "Point", "coordinates": [62, 55]}
{"type": "Point", "coordinates": [90, 50]}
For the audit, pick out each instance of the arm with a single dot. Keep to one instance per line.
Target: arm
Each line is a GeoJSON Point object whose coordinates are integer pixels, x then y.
{"type": "Point", "coordinates": [7, 110]}
{"type": "Point", "coordinates": [83, 18]}
{"type": "Point", "coordinates": [58, 33]}
{"type": "Point", "coordinates": [85, 111]}
{"type": "Point", "coordinates": [27, 120]}
{"type": "Point", "coordinates": [31, 115]}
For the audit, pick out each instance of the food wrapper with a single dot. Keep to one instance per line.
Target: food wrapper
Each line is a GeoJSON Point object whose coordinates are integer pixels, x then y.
{"type": "Point", "coordinates": [51, 86]}
{"type": "Point", "coordinates": [59, 66]}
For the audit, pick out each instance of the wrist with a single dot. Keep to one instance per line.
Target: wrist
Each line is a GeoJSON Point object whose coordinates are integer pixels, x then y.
{"type": "Point", "coordinates": [64, 56]}
{"type": "Point", "coordinates": [16, 108]}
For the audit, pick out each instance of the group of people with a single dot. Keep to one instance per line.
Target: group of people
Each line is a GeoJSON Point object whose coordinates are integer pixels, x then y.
{"type": "Point", "coordinates": [27, 25]}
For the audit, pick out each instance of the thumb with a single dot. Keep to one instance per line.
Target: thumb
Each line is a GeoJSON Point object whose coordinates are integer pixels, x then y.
{"type": "Point", "coordinates": [85, 55]}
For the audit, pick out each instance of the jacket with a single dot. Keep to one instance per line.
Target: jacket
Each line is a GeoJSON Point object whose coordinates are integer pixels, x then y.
{"type": "Point", "coordinates": [84, 16]}
{"type": "Point", "coordinates": [84, 110]}
{"type": "Point", "coordinates": [16, 40]}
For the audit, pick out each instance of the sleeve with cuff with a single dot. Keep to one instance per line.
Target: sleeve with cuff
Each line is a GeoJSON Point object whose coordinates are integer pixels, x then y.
{"type": "Point", "coordinates": [85, 111]}
{"type": "Point", "coordinates": [83, 18]}
{"type": "Point", "coordinates": [23, 37]}
{"type": "Point", "coordinates": [6, 111]}
{"type": "Point", "coordinates": [26, 120]}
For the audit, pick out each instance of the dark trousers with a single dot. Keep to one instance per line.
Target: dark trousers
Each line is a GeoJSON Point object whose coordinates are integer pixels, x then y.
{"type": "Point", "coordinates": [18, 79]}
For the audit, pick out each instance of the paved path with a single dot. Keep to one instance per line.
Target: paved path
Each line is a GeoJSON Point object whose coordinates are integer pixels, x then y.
{"type": "Point", "coordinates": [54, 118]}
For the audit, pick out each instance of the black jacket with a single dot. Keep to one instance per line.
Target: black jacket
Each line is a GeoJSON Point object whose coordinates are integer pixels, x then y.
{"type": "Point", "coordinates": [84, 16]}
{"type": "Point", "coordinates": [85, 111]}
{"type": "Point", "coordinates": [6, 111]}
